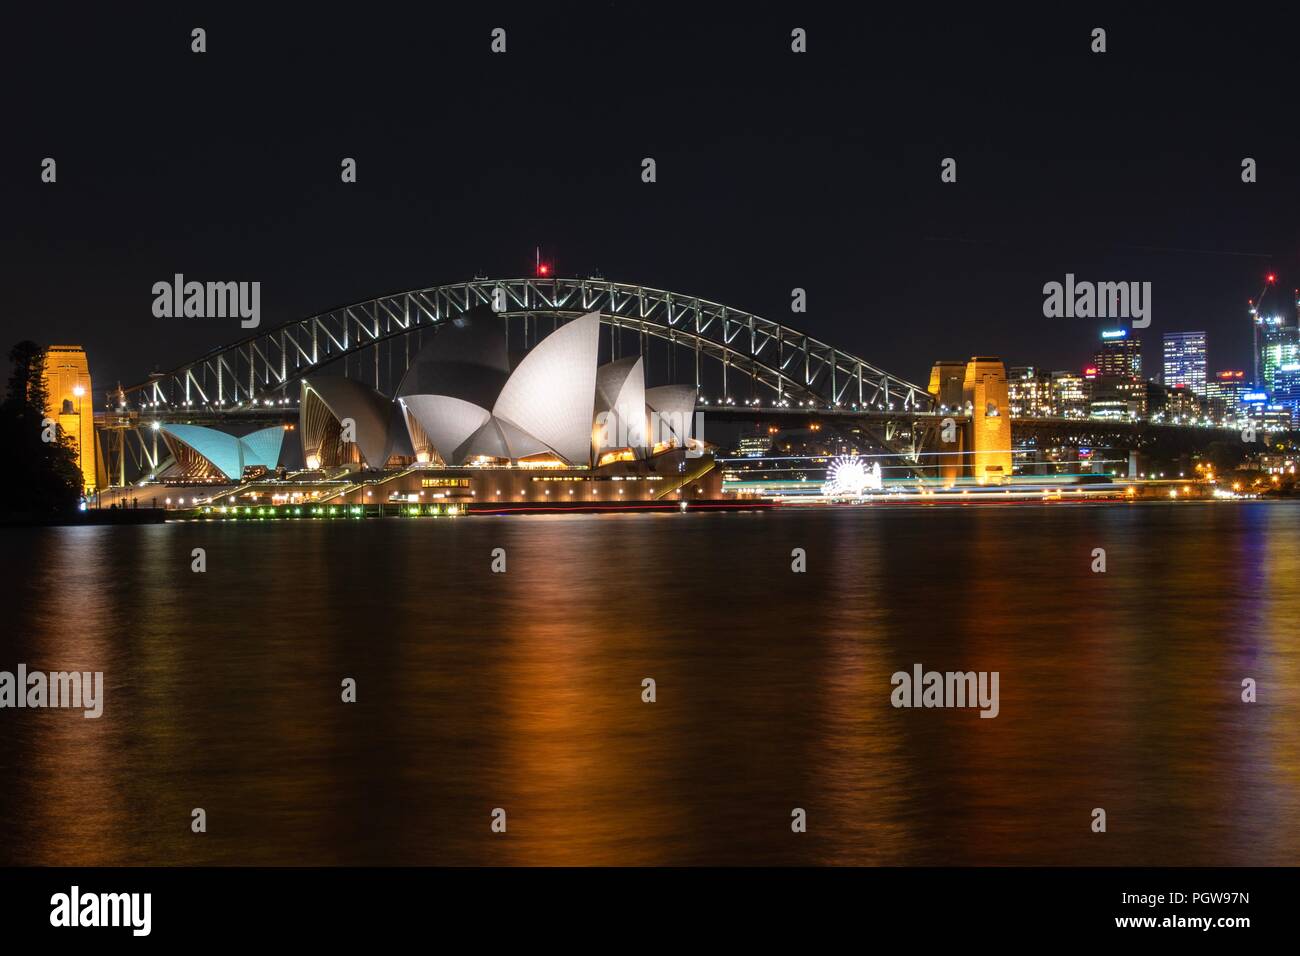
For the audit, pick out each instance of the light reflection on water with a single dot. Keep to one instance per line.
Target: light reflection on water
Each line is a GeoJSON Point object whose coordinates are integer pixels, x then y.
{"type": "Point", "coordinates": [523, 690]}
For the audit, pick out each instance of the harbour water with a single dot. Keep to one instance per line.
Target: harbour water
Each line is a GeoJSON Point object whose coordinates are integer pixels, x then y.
{"type": "Point", "coordinates": [523, 690]}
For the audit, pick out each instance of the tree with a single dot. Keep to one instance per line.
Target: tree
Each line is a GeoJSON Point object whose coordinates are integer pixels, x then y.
{"type": "Point", "coordinates": [1224, 455]}
{"type": "Point", "coordinates": [40, 477]}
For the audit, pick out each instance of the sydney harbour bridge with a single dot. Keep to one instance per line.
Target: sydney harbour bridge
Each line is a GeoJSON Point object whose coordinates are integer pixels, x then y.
{"type": "Point", "coordinates": [745, 368]}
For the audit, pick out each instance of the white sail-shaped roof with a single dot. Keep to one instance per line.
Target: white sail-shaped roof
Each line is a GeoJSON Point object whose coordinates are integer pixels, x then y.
{"type": "Point", "coordinates": [672, 412]}
{"type": "Point", "coordinates": [447, 421]}
{"type": "Point", "coordinates": [499, 439]}
{"type": "Point", "coordinates": [466, 358]}
{"type": "Point", "coordinates": [551, 395]}
{"type": "Point", "coordinates": [370, 411]}
{"type": "Point", "coordinates": [620, 398]}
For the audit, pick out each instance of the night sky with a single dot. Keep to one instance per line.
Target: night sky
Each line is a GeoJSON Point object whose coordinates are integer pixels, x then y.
{"type": "Point", "coordinates": [775, 170]}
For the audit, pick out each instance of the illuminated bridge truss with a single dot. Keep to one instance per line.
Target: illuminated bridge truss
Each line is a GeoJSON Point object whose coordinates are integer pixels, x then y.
{"type": "Point", "coordinates": [733, 357]}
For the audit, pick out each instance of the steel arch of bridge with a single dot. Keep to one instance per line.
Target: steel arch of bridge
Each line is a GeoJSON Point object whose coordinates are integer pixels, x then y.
{"type": "Point", "coordinates": [796, 368]}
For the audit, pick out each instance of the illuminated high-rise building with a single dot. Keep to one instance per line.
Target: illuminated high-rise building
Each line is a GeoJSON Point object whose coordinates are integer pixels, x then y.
{"type": "Point", "coordinates": [1278, 346]}
{"type": "Point", "coordinates": [1029, 392]}
{"type": "Point", "coordinates": [1268, 415]}
{"type": "Point", "coordinates": [1184, 364]}
{"type": "Point", "coordinates": [1120, 397]}
{"type": "Point", "coordinates": [68, 392]}
{"type": "Point", "coordinates": [1069, 395]}
{"type": "Point", "coordinates": [1224, 393]}
{"type": "Point", "coordinates": [1286, 388]}
{"type": "Point", "coordinates": [1173, 404]}
{"type": "Point", "coordinates": [1120, 354]}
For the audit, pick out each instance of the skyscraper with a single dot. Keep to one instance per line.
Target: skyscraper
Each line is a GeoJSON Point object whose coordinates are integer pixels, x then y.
{"type": "Point", "coordinates": [1286, 388]}
{"type": "Point", "coordinates": [1029, 391]}
{"type": "Point", "coordinates": [1120, 354]}
{"type": "Point", "coordinates": [1224, 391]}
{"type": "Point", "coordinates": [1185, 361]}
{"type": "Point", "coordinates": [1278, 346]}
{"type": "Point", "coordinates": [1069, 395]}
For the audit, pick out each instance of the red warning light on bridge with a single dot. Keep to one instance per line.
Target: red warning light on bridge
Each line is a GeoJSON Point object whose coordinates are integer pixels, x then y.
{"type": "Point", "coordinates": [543, 269]}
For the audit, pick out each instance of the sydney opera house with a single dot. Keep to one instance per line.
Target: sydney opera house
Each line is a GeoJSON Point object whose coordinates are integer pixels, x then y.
{"type": "Point", "coordinates": [472, 427]}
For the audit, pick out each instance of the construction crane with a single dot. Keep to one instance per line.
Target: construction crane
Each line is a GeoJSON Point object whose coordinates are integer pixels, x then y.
{"type": "Point", "coordinates": [1254, 323]}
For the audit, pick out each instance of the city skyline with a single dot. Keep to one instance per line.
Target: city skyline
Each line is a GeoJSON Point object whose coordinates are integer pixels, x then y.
{"type": "Point", "coordinates": [852, 211]}
{"type": "Point", "coordinates": [585, 438]}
